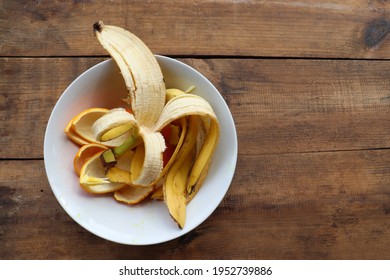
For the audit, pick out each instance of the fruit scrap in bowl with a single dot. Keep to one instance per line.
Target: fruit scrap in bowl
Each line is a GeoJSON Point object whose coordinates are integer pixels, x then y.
{"type": "Point", "coordinates": [161, 147]}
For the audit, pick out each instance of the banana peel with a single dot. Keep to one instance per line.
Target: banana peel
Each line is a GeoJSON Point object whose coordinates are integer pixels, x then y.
{"type": "Point", "coordinates": [153, 107]}
{"type": "Point", "coordinates": [174, 187]}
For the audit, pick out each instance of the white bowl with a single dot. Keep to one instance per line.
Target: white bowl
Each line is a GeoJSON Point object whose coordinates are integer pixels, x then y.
{"type": "Point", "coordinates": [148, 222]}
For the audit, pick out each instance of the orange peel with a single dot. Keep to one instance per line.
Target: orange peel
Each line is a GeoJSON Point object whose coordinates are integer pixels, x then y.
{"type": "Point", "coordinates": [84, 153]}
{"type": "Point", "coordinates": [93, 177]}
{"type": "Point", "coordinates": [79, 128]}
{"type": "Point", "coordinates": [132, 194]}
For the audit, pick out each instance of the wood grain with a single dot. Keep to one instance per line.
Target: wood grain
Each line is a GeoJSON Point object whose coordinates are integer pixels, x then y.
{"type": "Point", "coordinates": [29, 89]}
{"type": "Point", "coordinates": [307, 28]}
{"type": "Point", "coordinates": [292, 206]}
{"type": "Point", "coordinates": [279, 106]}
{"type": "Point", "coordinates": [305, 105]}
{"type": "Point", "coordinates": [308, 86]}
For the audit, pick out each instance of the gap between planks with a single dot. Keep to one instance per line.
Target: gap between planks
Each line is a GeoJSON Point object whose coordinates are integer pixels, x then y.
{"type": "Point", "coordinates": [260, 154]}
{"type": "Point", "coordinates": [207, 57]}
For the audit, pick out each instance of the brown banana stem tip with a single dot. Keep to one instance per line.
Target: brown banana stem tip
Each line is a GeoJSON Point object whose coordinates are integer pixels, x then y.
{"type": "Point", "coordinates": [98, 26]}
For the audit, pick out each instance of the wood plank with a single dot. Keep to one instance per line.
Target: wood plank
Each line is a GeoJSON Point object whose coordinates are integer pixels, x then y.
{"type": "Point", "coordinates": [29, 89]}
{"type": "Point", "coordinates": [284, 106]}
{"type": "Point", "coordinates": [279, 106]}
{"type": "Point", "coordinates": [306, 28]}
{"type": "Point", "coordinates": [331, 205]}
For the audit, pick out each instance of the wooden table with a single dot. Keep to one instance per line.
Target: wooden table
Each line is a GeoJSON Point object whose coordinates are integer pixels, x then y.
{"type": "Point", "coordinates": [308, 85]}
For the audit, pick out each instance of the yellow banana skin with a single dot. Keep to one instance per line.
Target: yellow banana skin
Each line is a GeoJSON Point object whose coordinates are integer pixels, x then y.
{"type": "Point", "coordinates": [183, 124]}
{"type": "Point", "coordinates": [172, 92]}
{"type": "Point", "coordinates": [202, 162]}
{"type": "Point", "coordinates": [181, 105]}
{"type": "Point", "coordinates": [153, 107]}
{"type": "Point", "coordinates": [146, 94]}
{"type": "Point", "coordinates": [139, 68]}
{"type": "Point", "coordinates": [143, 167]}
{"type": "Point", "coordinates": [180, 181]}
{"type": "Point", "coordinates": [116, 132]}
{"type": "Point", "coordinates": [174, 187]}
